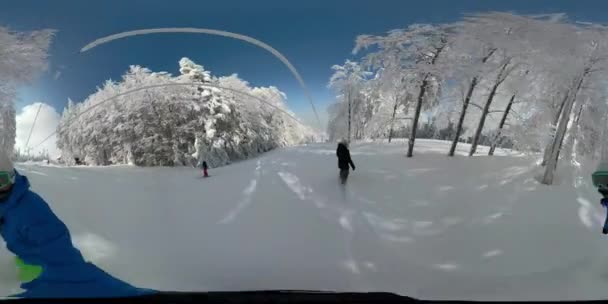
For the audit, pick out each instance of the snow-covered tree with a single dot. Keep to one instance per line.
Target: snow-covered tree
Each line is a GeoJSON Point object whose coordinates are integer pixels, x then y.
{"type": "Point", "coordinates": [348, 81]}
{"type": "Point", "coordinates": [417, 49]}
{"type": "Point", "coordinates": [389, 91]}
{"type": "Point", "coordinates": [588, 60]}
{"type": "Point", "coordinates": [466, 63]}
{"type": "Point", "coordinates": [155, 119]}
{"type": "Point", "coordinates": [23, 55]}
{"type": "Point", "coordinates": [534, 83]}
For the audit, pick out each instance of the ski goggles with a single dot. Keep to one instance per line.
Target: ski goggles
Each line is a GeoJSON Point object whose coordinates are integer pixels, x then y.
{"type": "Point", "coordinates": [7, 178]}
{"type": "Point", "coordinates": [600, 180]}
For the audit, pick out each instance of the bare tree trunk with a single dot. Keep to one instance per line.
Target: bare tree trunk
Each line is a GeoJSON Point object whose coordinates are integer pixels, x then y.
{"type": "Point", "coordinates": [465, 105]}
{"type": "Point", "coordinates": [463, 113]}
{"type": "Point", "coordinates": [410, 148]}
{"type": "Point", "coordinates": [486, 108]}
{"type": "Point", "coordinates": [561, 132]}
{"type": "Point", "coordinates": [390, 132]}
{"type": "Point", "coordinates": [580, 112]}
{"type": "Point", "coordinates": [557, 144]}
{"type": "Point", "coordinates": [423, 88]}
{"type": "Point", "coordinates": [349, 114]}
{"type": "Point", "coordinates": [547, 152]}
{"type": "Point", "coordinates": [570, 138]}
{"type": "Point", "coordinates": [503, 120]}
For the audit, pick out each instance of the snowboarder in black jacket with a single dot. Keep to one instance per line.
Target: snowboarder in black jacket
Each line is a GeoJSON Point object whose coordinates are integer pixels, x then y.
{"type": "Point", "coordinates": [344, 161]}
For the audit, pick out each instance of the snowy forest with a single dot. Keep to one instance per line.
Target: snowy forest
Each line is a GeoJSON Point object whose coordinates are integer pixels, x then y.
{"type": "Point", "coordinates": [463, 159]}
{"type": "Point", "coordinates": [155, 119]}
{"type": "Point", "coordinates": [534, 83]}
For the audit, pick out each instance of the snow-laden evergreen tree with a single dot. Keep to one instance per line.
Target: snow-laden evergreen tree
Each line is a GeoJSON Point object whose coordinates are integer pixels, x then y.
{"type": "Point", "coordinates": [155, 119]}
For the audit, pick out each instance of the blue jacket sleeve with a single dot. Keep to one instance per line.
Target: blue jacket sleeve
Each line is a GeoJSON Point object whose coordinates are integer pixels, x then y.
{"type": "Point", "coordinates": [42, 232]}
{"type": "Point", "coordinates": [44, 237]}
{"type": "Point", "coordinates": [34, 233]}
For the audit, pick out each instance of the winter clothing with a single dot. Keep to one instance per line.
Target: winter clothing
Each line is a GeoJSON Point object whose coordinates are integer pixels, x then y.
{"type": "Point", "coordinates": [6, 165]}
{"type": "Point", "coordinates": [205, 168]}
{"type": "Point", "coordinates": [343, 176]}
{"type": "Point", "coordinates": [604, 203]}
{"type": "Point", "coordinates": [36, 235]}
{"type": "Point", "coordinates": [5, 192]}
{"type": "Point", "coordinates": [344, 159]}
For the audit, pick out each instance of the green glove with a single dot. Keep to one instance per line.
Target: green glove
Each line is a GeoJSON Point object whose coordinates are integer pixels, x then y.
{"type": "Point", "coordinates": [26, 272]}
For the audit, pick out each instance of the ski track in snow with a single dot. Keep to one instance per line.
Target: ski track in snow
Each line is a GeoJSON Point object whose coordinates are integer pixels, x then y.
{"type": "Point", "coordinates": [342, 215]}
{"type": "Point", "coordinates": [463, 229]}
{"type": "Point", "coordinates": [588, 214]}
{"type": "Point", "coordinates": [355, 224]}
{"type": "Point", "coordinates": [247, 196]}
{"type": "Point", "coordinates": [93, 247]}
{"type": "Point", "coordinates": [304, 193]}
{"type": "Point", "coordinates": [492, 253]}
{"type": "Point", "coordinates": [446, 266]}
{"type": "Point", "coordinates": [38, 173]}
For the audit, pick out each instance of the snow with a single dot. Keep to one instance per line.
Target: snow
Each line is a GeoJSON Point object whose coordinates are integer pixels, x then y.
{"type": "Point", "coordinates": [430, 226]}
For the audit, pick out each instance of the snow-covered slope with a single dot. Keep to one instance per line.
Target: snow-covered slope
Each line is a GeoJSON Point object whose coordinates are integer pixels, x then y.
{"type": "Point", "coordinates": [431, 226]}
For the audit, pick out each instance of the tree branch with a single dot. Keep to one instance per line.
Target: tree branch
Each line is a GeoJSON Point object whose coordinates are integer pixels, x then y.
{"type": "Point", "coordinates": [490, 53]}
{"type": "Point", "coordinates": [476, 105]}
{"type": "Point", "coordinates": [589, 87]}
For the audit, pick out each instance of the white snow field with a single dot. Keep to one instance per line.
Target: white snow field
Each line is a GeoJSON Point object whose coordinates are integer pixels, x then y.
{"type": "Point", "coordinates": [430, 227]}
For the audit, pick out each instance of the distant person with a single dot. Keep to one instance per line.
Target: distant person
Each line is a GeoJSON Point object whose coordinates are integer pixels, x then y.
{"type": "Point", "coordinates": [344, 160]}
{"type": "Point", "coordinates": [205, 169]}
{"type": "Point", "coordinates": [38, 237]}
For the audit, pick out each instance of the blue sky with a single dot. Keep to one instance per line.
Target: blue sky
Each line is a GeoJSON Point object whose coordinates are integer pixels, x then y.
{"type": "Point", "coordinates": [312, 34]}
